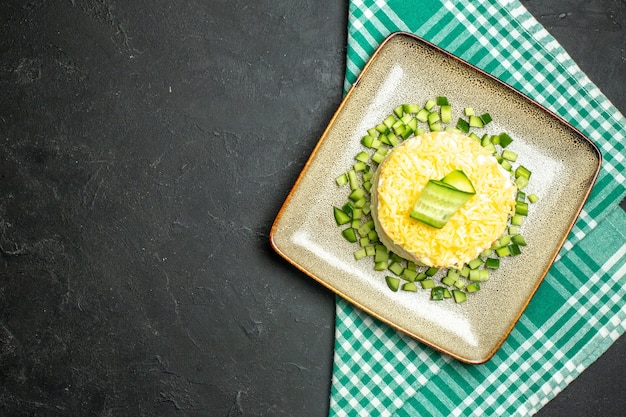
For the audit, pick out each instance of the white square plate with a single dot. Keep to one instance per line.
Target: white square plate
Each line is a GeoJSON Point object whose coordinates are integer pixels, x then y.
{"type": "Point", "coordinates": [565, 164]}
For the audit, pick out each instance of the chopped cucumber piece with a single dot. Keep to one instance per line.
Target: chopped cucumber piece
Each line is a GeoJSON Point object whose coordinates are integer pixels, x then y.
{"type": "Point", "coordinates": [463, 125]}
{"type": "Point", "coordinates": [505, 140]}
{"type": "Point", "coordinates": [421, 277]}
{"type": "Point", "coordinates": [360, 203]}
{"type": "Point", "coordinates": [380, 266]}
{"type": "Point", "coordinates": [435, 127]}
{"type": "Point", "coordinates": [475, 263]}
{"type": "Point", "coordinates": [504, 240]}
{"type": "Point", "coordinates": [465, 271]}
{"type": "Point", "coordinates": [393, 283]}
{"type": "Point", "coordinates": [409, 286]}
{"type": "Point", "coordinates": [509, 155]}
{"type": "Point", "coordinates": [422, 115]}
{"type": "Point", "coordinates": [427, 283]}
{"type": "Point", "coordinates": [446, 113]}
{"type": "Point", "coordinates": [389, 121]}
{"type": "Point", "coordinates": [382, 128]}
{"type": "Point", "coordinates": [486, 118]}
{"type": "Point", "coordinates": [521, 208]}
{"type": "Point", "coordinates": [503, 251]}
{"type": "Point", "coordinates": [357, 194]}
{"type": "Point", "coordinates": [475, 121]}
{"type": "Point", "coordinates": [366, 227]}
{"type": "Point", "coordinates": [359, 166]}
{"type": "Point", "coordinates": [349, 234]}
{"type": "Point", "coordinates": [341, 217]}
{"type": "Point", "coordinates": [522, 171]}
{"type": "Point", "coordinates": [367, 141]}
{"type": "Point", "coordinates": [436, 293]}
{"type": "Point", "coordinates": [392, 139]}
{"type": "Point", "coordinates": [452, 273]}
{"type": "Point", "coordinates": [433, 118]}
{"type": "Point", "coordinates": [411, 108]}
{"type": "Point", "coordinates": [442, 101]}
{"type": "Point", "coordinates": [379, 155]}
{"type": "Point", "coordinates": [517, 220]}
{"type": "Point", "coordinates": [533, 198]}
{"type": "Point", "coordinates": [353, 179]}
{"type": "Point", "coordinates": [479, 275]}
{"type": "Point", "coordinates": [448, 280]}
{"type": "Point", "coordinates": [506, 165]}
{"type": "Point", "coordinates": [474, 136]}
{"type": "Point", "coordinates": [431, 271]}
{"type": "Point", "coordinates": [341, 180]}
{"type": "Point", "coordinates": [396, 268]}
{"type": "Point", "coordinates": [459, 296]}
{"type": "Point", "coordinates": [381, 254]}
{"type": "Point", "coordinates": [521, 182]}
{"type": "Point", "coordinates": [360, 254]}
{"type": "Point", "coordinates": [395, 257]}
{"type": "Point", "coordinates": [409, 275]}
{"type": "Point", "coordinates": [518, 240]}
{"type": "Point", "coordinates": [473, 287]}
{"type": "Point", "coordinates": [514, 249]}
{"type": "Point", "coordinates": [492, 263]}
{"type": "Point", "coordinates": [362, 156]}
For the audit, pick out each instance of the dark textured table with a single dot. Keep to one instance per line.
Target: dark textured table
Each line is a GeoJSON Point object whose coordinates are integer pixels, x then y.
{"type": "Point", "coordinates": [146, 148]}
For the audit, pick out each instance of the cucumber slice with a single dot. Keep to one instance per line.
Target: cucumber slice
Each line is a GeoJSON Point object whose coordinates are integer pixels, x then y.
{"type": "Point", "coordinates": [459, 180]}
{"type": "Point", "coordinates": [438, 202]}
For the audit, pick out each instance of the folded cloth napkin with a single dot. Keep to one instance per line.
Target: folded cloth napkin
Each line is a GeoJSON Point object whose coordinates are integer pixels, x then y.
{"type": "Point", "coordinates": [579, 309]}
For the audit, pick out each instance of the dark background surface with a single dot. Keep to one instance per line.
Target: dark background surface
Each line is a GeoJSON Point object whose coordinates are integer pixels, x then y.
{"type": "Point", "coordinates": [145, 149]}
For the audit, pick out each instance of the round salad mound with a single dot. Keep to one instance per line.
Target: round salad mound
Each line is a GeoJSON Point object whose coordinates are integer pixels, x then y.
{"type": "Point", "coordinates": [403, 175]}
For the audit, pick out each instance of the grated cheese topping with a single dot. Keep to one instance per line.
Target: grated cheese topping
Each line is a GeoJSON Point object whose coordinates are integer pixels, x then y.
{"type": "Point", "coordinates": [402, 176]}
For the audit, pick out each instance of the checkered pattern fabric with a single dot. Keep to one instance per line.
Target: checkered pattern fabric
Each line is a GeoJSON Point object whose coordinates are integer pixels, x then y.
{"type": "Point", "coordinates": [579, 309]}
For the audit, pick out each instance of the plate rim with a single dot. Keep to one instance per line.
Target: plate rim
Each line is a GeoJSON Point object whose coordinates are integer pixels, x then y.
{"type": "Point", "coordinates": [415, 38]}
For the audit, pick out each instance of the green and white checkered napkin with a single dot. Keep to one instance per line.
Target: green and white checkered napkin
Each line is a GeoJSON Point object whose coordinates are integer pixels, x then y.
{"type": "Point", "coordinates": [579, 309]}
